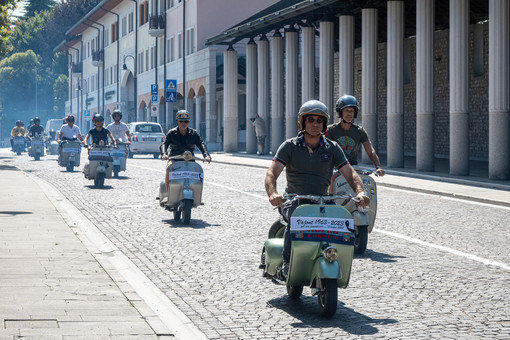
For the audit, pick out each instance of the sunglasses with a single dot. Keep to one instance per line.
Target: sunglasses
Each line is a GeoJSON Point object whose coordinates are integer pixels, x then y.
{"type": "Point", "coordinates": [183, 121]}
{"type": "Point", "coordinates": [312, 119]}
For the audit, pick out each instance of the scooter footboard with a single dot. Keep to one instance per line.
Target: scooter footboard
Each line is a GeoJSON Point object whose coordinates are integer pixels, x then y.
{"type": "Point", "coordinates": [273, 249]}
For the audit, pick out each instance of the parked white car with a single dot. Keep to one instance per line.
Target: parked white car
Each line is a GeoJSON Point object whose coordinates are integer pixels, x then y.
{"type": "Point", "coordinates": [146, 138]}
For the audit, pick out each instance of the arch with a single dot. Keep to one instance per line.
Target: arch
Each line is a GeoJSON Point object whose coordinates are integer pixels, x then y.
{"type": "Point", "coordinates": [125, 77]}
{"type": "Point", "coordinates": [108, 117]}
{"type": "Point", "coordinates": [191, 93]}
{"type": "Point", "coordinates": [201, 91]}
{"type": "Point", "coordinates": [162, 100]}
{"type": "Point", "coordinates": [142, 104]}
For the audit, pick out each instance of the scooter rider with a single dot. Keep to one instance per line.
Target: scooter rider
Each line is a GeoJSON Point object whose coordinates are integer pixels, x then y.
{"type": "Point", "coordinates": [17, 131]}
{"type": "Point", "coordinates": [68, 131]}
{"type": "Point", "coordinates": [36, 129]}
{"type": "Point", "coordinates": [350, 135]}
{"type": "Point", "coordinates": [118, 129]}
{"type": "Point", "coordinates": [99, 133]}
{"type": "Point", "coordinates": [310, 159]}
{"type": "Point", "coordinates": [181, 139]}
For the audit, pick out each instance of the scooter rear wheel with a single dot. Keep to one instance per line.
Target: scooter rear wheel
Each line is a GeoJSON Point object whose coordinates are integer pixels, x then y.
{"type": "Point", "coordinates": [116, 170]}
{"type": "Point", "coordinates": [328, 297]}
{"type": "Point", "coordinates": [276, 230]}
{"type": "Point", "coordinates": [294, 291]}
{"type": "Point", "coordinates": [177, 215]}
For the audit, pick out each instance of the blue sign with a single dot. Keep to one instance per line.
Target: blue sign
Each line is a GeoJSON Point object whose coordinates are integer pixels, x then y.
{"type": "Point", "coordinates": [171, 90]}
{"type": "Point", "coordinates": [154, 99]}
{"type": "Point", "coordinates": [154, 89]}
{"type": "Point", "coordinates": [86, 113]}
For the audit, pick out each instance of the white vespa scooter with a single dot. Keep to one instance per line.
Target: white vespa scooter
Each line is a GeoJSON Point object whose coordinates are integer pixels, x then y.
{"type": "Point", "coordinates": [119, 157]}
{"type": "Point", "coordinates": [364, 218]}
{"type": "Point", "coordinates": [36, 149]}
{"type": "Point", "coordinates": [100, 165]}
{"type": "Point", "coordinates": [186, 180]}
{"type": "Point", "coordinates": [71, 152]}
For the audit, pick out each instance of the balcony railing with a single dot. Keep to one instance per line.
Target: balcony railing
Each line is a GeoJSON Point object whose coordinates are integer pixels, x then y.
{"type": "Point", "coordinates": [97, 58]}
{"type": "Point", "coordinates": [156, 25]}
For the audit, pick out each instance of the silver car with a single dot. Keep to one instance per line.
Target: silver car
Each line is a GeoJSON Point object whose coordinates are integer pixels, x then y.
{"type": "Point", "coordinates": [146, 138]}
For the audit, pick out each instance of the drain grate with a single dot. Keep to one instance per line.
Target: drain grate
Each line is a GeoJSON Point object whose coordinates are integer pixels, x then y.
{"type": "Point", "coordinates": [30, 323]}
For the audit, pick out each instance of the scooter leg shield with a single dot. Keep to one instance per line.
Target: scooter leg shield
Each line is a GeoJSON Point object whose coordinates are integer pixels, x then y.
{"type": "Point", "coordinates": [273, 255]}
{"type": "Point", "coordinates": [324, 269]}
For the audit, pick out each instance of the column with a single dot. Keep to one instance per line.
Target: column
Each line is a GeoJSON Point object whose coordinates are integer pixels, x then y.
{"type": "Point", "coordinates": [291, 82]}
{"type": "Point", "coordinates": [263, 84]}
{"type": "Point", "coordinates": [230, 123]}
{"type": "Point", "coordinates": [425, 85]}
{"type": "Point", "coordinates": [308, 64]}
{"type": "Point", "coordinates": [199, 110]}
{"type": "Point", "coordinates": [499, 89]}
{"type": "Point", "coordinates": [276, 91]}
{"type": "Point", "coordinates": [210, 100]}
{"type": "Point", "coordinates": [326, 64]}
{"type": "Point", "coordinates": [395, 84]}
{"type": "Point", "coordinates": [251, 95]}
{"type": "Point", "coordinates": [346, 55]}
{"type": "Point", "coordinates": [459, 73]}
{"type": "Point", "coordinates": [369, 75]}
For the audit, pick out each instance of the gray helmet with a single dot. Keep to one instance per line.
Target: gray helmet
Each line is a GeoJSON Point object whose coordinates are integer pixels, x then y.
{"type": "Point", "coordinates": [346, 101]}
{"type": "Point", "coordinates": [313, 108]}
{"type": "Point", "coordinates": [98, 118]}
{"type": "Point", "coordinates": [117, 112]}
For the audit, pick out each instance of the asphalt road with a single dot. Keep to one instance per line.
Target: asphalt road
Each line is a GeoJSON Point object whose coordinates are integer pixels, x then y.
{"type": "Point", "coordinates": [435, 267]}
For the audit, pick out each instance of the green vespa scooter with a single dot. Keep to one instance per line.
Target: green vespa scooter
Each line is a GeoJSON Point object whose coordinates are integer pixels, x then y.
{"type": "Point", "coordinates": [321, 252]}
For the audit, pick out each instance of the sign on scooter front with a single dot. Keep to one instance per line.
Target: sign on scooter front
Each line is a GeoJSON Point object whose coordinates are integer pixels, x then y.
{"type": "Point", "coordinates": [321, 229]}
{"type": "Point", "coordinates": [186, 174]}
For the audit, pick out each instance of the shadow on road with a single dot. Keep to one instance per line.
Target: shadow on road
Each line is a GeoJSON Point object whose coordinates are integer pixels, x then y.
{"type": "Point", "coordinates": [7, 167]}
{"type": "Point", "coordinates": [306, 310]}
{"type": "Point", "coordinates": [378, 257]}
{"type": "Point", "coordinates": [106, 187]}
{"type": "Point", "coordinates": [14, 213]}
{"type": "Point", "coordinates": [195, 224]}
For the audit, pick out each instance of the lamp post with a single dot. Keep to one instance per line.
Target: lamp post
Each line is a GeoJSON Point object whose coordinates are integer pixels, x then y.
{"type": "Point", "coordinates": [36, 111]}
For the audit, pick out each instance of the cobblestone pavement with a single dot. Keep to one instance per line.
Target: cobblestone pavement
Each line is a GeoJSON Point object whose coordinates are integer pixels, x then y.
{"type": "Point", "coordinates": [209, 269]}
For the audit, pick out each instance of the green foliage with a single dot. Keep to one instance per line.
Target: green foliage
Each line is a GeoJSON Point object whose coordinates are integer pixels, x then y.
{"type": "Point", "coordinates": [35, 6]}
{"type": "Point", "coordinates": [60, 93]}
{"type": "Point", "coordinates": [30, 34]}
{"type": "Point", "coordinates": [5, 23]}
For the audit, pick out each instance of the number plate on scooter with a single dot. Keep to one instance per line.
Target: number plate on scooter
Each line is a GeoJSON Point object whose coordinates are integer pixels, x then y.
{"type": "Point", "coordinates": [321, 229]}
{"type": "Point", "coordinates": [185, 174]}
{"type": "Point", "coordinates": [75, 150]}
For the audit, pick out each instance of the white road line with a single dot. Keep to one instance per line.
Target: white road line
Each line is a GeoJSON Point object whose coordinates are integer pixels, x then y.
{"type": "Point", "coordinates": [396, 235]}
{"type": "Point", "coordinates": [446, 249]}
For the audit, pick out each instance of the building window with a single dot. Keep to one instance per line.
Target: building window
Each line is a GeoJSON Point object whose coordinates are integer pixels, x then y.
{"type": "Point", "coordinates": [115, 74]}
{"type": "Point", "coordinates": [153, 57]}
{"type": "Point", "coordinates": [144, 13]}
{"type": "Point", "coordinates": [107, 37]}
{"type": "Point", "coordinates": [124, 27]}
{"type": "Point", "coordinates": [179, 45]}
{"type": "Point", "coordinates": [170, 49]}
{"type": "Point", "coordinates": [147, 60]}
{"type": "Point", "coordinates": [114, 28]}
{"type": "Point", "coordinates": [130, 22]}
{"type": "Point", "coordinates": [190, 41]}
{"type": "Point", "coordinates": [140, 62]}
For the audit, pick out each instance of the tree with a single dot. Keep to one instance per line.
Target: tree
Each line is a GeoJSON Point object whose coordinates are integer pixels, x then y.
{"type": "Point", "coordinates": [34, 6]}
{"type": "Point", "coordinates": [29, 34]}
{"type": "Point", "coordinates": [5, 24]}
{"type": "Point", "coordinates": [61, 94]}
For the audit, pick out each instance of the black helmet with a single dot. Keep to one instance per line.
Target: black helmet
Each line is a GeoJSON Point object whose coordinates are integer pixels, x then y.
{"type": "Point", "coordinates": [313, 108]}
{"type": "Point", "coordinates": [98, 118]}
{"type": "Point", "coordinates": [36, 119]}
{"type": "Point", "coordinates": [346, 101]}
{"type": "Point", "coordinates": [31, 121]}
{"type": "Point", "coordinates": [19, 122]}
{"type": "Point", "coordinates": [117, 112]}
{"type": "Point", "coordinates": [69, 118]}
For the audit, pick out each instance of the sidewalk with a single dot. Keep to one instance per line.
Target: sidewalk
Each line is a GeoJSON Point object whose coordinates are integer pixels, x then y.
{"type": "Point", "coordinates": [472, 188]}
{"type": "Point", "coordinates": [51, 285]}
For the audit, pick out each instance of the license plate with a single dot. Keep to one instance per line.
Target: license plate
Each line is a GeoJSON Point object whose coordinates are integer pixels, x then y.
{"type": "Point", "coordinates": [150, 139]}
{"type": "Point", "coordinates": [19, 141]}
{"type": "Point", "coordinates": [37, 142]}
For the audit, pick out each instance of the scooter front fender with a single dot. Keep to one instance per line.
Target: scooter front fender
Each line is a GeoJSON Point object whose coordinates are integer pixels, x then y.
{"type": "Point", "coordinates": [187, 194]}
{"type": "Point", "coordinates": [116, 162]}
{"type": "Point", "coordinates": [101, 169]}
{"type": "Point", "coordinates": [323, 269]}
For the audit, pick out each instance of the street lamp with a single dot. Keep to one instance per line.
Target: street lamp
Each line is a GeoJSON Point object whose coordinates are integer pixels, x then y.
{"type": "Point", "coordinates": [124, 66]}
{"type": "Point", "coordinates": [35, 92]}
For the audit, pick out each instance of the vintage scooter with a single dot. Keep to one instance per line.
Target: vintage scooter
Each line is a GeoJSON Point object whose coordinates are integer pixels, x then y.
{"type": "Point", "coordinates": [52, 145]}
{"type": "Point", "coordinates": [364, 217]}
{"type": "Point", "coordinates": [186, 180]}
{"type": "Point", "coordinates": [18, 144]}
{"type": "Point", "coordinates": [71, 152]}
{"type": "Point", "coordinates": [100, 165]}
{"type": "Point", "coordinates": [36, 149]}
{"type": "Point", "coordinates": [119, 157]}
{"type": "Point", "coordinates": [321, 251]}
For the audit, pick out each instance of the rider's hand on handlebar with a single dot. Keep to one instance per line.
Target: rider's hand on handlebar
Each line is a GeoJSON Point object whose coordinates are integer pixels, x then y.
{"type": "Point", "coordinates": [164, 157]}
{"type": "Point", "coordinates": [363, 199]}
{"type": "Point", "coordinates": [276, 199]}
{"type": "Point", "coordinates": [380, 172]}
{"type": "Point", "coordinates": [207, 159]}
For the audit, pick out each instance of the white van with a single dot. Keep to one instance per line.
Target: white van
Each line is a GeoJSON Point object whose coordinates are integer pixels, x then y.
{"type": "Point", "coordinates": [54, 124]}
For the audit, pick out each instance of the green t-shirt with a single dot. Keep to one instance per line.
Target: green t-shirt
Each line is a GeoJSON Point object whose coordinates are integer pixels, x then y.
{"type": "Point", "coordinates": [349, 140]}
{"type": "Point", "coordinates": [309, 173]}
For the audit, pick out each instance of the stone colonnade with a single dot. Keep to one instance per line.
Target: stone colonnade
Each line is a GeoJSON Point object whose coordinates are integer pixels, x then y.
{"type": "Point", "coordinates": [284, 101]}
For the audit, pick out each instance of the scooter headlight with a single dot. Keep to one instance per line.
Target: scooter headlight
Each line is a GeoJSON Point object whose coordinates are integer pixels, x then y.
{"type": "Point", "coordinates": [363, 210]}
{"type": "Point", "coordinates": [330, 253]}
{"type": "Point", "coordinates": [187, 156]}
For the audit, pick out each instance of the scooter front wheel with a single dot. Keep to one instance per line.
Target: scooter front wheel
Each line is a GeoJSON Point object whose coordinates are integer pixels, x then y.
{"type": "Point", "coordinates": [294, 292]}
{"type": "Point", "coordinates": [116, 170]}
{"type": "Point", "coordinates": [361, 240]}
{"type": "Point", "coordinates": [328, 297]}
{"type": "Point", "coordinates": [70, 166]}
{"type": "Point", "coordinates": [99, 181]}
{"type": "Point", "coordinates": [186, 211]}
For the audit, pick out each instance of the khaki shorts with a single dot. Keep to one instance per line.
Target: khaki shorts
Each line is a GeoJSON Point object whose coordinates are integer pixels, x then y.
{"type": "Point", "coordinates": [261, 140]}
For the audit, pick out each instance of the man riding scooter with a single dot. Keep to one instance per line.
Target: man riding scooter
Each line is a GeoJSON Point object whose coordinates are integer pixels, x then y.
{"type": "Point", "coordinates": [36, 129]}
{"type": "Point", "coordinates": [309, 158]}
{"type": "Point", "coordinates": [68, 131]}
{"type": "Point", "coordinates": [181, 139]}
{"type": "Point", "coordinates": [120, 132]}
{"type": "Point", "coordinates": [18, 132]}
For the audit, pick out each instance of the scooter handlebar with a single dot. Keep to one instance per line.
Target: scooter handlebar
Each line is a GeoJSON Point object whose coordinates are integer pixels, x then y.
{"type": "Point", "coordinates": [318, 198]}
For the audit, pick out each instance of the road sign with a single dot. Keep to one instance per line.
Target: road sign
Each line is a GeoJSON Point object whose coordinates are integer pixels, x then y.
{"type": "Point", "coordinates": [154, 89]}
{"type": "Point", "coordinates": [154, 110]}
{"type": "Point", "coordinates": [154, 99]}
{"type": "Point", "coordinates": [86, 113]}
{"type": "Point", "coordinates": [171, 90]}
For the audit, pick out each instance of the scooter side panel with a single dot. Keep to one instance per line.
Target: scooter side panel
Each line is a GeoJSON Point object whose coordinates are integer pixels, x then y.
{"type": "Point", "coordinates": [341, 187]}
{"type": "Point", "coordinates": [273, 254]}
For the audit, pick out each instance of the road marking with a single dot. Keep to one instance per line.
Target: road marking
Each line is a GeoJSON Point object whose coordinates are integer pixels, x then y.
{"type": "Point", "coordinates": [449, 250]}
{"type": "Point", "coordinates": [392, 234]}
